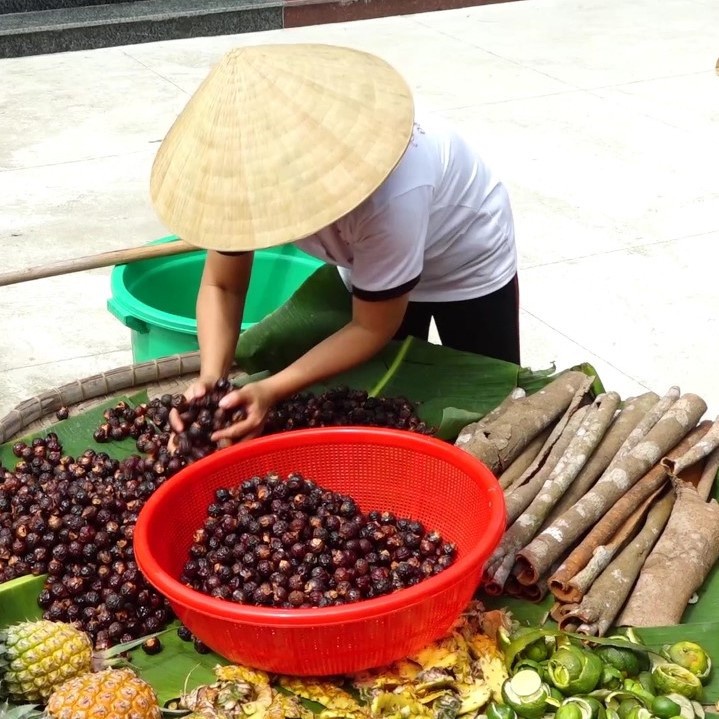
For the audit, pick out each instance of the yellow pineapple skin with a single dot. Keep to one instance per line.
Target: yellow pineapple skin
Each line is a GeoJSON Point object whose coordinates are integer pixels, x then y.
{"type": "Point", "coordinates": [40, 656]}
{"type": "Point", "coordinates": [109, 694]}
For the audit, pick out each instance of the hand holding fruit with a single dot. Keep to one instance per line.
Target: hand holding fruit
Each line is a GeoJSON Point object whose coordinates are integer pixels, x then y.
{"type": "Point", "coordinates": [253, 402]}
{"type": "Point", "coordinates": [197, 415]}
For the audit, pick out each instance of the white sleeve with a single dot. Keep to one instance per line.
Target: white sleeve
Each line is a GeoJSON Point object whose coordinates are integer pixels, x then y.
{"type": "Point", "coordinates": [388, 254]}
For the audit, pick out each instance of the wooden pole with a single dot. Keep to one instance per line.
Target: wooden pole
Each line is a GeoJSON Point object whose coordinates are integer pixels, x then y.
{"type": "Point", "coordinates": [103, 259]}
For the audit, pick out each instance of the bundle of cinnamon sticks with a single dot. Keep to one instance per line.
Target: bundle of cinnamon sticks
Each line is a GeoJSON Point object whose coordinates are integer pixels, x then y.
{"type": "Point", "coordinates": [606, 501]}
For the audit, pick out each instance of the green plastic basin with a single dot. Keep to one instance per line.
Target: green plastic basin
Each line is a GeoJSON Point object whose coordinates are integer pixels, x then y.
{"type": "Point", "coordinates": [156, 298]}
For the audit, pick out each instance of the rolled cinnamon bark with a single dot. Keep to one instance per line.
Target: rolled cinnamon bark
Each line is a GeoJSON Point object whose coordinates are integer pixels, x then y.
{"type": "Point", "coordinates": [611, 522]}
{"type": "Point", "coordinates": [699, 451]}
{"type": "Point", "coordinates": [627, 419]}
{"type": "Point", "coordinates": [519, 497]}
{"type": "Point", "coordinates": [524, 461]}
{"type": "Point", "coordinates": [647, 422]}
{"type": "Point", "coordinates": [679, 563]}
{"type": "Point", "coordinates": [549, 545]}
{"type": "Point", "coordinates": [588, 435]}
{"type": "Point", "coordinates": [580, 583]}
{"type": "Point", "coordinates": [602, 603]}
{"type": "Point", "coordinates": [709, 475]}
{"type": "Point", "coordinates": [466, 434]}
{"type": "Point", "coordinates": [499, 443]}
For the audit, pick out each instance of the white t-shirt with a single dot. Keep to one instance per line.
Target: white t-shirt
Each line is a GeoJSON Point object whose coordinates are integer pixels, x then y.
{"type": "Point", "coordinates": [440, 225]}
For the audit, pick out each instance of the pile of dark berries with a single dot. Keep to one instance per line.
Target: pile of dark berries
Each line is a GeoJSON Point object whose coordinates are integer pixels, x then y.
{"type": "Point", "coordinates": [149, 424]}
{"type": "Point", "coordinates": [201, 417]}
{"type": "Point", "coordinates": [290, 543]}
{"type": "Point", "coordinates": [344, 406]}
{"type": "Point", "coordinates": [73, 518]}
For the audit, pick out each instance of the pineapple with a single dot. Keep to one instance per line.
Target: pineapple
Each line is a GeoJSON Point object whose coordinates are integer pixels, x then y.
{"type": "Point", "coordinates": [110, 694]}
{"type": "Point", "coordinates": [491, 663]}
{"type": "Point", "coordinates": [238, 692]}
{"type": "Point", "coordinates": [338, 703]}
{"type": "Point", "coordinates": [36, 657]}
{"type": "Point", "coordinates": [400, 705]}
{"type": "Point", "coordinates": [285, 706]}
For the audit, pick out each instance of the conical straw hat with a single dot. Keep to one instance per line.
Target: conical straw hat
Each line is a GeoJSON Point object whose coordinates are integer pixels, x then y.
{"type": "Point", "coordinates": [278, 142]}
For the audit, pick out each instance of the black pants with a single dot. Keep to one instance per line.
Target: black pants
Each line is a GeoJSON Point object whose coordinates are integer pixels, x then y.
{"type": "Point", "coordinates": [486, 325]}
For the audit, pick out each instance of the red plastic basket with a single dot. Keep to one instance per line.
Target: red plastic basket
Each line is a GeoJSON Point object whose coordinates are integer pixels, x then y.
{"type": "Point", "coordinates": [409, 474]}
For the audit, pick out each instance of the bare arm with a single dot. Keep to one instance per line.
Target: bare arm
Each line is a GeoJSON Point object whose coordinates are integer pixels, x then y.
{"type": "Point", "coordinates": [372, 326]}
{"type": "Point", "coordinates": [220, 305]}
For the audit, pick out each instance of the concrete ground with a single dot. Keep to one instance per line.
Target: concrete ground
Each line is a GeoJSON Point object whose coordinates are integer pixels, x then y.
{"type": "Point", "coordinates": [602, 117]}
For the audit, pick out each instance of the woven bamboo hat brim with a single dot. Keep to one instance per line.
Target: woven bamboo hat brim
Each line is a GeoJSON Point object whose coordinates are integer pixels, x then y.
{"type": "Point", "coordinates": [278, 142]}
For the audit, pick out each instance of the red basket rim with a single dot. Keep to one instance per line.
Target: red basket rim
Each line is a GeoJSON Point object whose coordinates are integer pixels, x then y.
{"type": "Point", "coordinates": [191, 599]}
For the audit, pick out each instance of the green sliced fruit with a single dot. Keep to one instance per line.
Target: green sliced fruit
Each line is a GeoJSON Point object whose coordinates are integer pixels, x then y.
{"type": "Point", "coordinates": [640, 713]}
{"type": "Point", "coordinates": [612, 677]}
{"type": "Point", "coordinates": [625, 660]}
{"type": "Point", "coordinates": [670, 678]}
{"type": "Point", "coordinates": [527, 694]}
{"type": "Point", "coordinates": [571, 711]}
{"type": "Point", "coordinates": [665, 708]}
{"type": "Point", "coordinates": [574, 670]}
{"type": "Point", "coordinates": [690, 656]}
{"type": "Point", "coordinates": [500, 711]}
{"type": "Point", "coordinates": [626, 706]}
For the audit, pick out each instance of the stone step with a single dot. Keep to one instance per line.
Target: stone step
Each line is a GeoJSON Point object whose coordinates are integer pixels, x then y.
{"type": "Point", "coordinates": [125, 23]}
{"type": "Point", "coordinates": [87, 24]}
{"type": "Point", "coordinates": [8, 6]}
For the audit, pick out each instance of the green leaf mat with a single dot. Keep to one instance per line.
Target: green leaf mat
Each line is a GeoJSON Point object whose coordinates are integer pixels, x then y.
{"type": "Point", "coordinates": [452, 389]}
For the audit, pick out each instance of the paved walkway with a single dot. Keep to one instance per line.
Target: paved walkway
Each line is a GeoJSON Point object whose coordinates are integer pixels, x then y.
{"type": "Point", "coordinates": [601, 116]}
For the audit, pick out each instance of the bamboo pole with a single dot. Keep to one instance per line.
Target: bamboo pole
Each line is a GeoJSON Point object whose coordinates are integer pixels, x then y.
{"type": "Point", "coordinates": [93, 262]}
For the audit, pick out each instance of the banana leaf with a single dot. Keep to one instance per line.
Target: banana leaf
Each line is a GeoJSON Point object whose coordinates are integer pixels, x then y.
{"type": "Point", "coordinates": [451, 388]}
{"type": "Point", "coordinates": [18, 600]}
{"type": "Point", "coordinates": [75, 433]}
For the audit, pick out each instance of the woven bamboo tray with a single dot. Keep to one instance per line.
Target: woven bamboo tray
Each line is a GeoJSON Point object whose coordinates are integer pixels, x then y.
{"type": "Point", "coordinates": [166, 375]}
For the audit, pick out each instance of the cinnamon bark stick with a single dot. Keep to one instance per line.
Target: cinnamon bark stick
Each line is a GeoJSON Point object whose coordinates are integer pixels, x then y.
{"type": "Point", "coordinates": [708, 443]}
{"type": "Point", "coordinates": [522, 463]}
{"type": "Point", "coordinates": [709, 475]}
{"type": "Point", "coordinates": [466, 434]}
{"type": "Point", "coordinates": [605, 553]}
{"type": "Point", "coordinates": [559, 430]}
{"type": "Point", "coordinates": [647, 422]}
{"type": "Point", "coordinates": [611, 522]}
{"type": "Point", "coordinates": [552, 542]}
{"type": "Point", "coordinates": [679, 563]}
{"type": "Point", "coordinates": [499, 443]}
{"type": "Point", "coordinates": [627, 419]}
{"type": "Point", "coordinates": [581, 445]}
{"type": "Point", "coordinates": [518, 498]}
{"type": "Point", "coordinates": [600, 606]}
{"type": "Point", "coordinates": [558, 610]}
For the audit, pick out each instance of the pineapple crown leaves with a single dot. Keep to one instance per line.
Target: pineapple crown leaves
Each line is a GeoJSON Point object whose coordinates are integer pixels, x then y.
{"type": "Point", "coordinates": [114, 656]}
{"type": "Point", "coordinates": [23, 711]}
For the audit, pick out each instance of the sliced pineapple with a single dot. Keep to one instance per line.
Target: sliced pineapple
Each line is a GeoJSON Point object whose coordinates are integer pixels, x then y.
{"type": "Point", "coordinates": [432, 680]}
{"type": "Point", "coordinates": [446, 706]}
{"type": "Point", "coordinates": [239, 692]}
{"type": "Point", "coordinates": [491, 663]}
{"type": "Point", "coordinates": [400, 704]}
{"type": "Point", "coordinates": [473, 697]}
{"type": "Point", "coordinates": [237, 673]}
{"type": "Point", "coordinates": [448, 653]}
{"type": "Point", "coordinates": [286, 706]}
{"type": "Point", "coordinates": [338, 703]}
